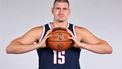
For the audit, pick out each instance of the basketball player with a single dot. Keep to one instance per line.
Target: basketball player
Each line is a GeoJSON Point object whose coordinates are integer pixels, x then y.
{"type": "Point", "coordinates": [49, 59]}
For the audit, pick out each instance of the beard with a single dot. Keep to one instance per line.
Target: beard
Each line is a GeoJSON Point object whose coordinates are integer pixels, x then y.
{"type": "Point", "coordinates": [61, 20]}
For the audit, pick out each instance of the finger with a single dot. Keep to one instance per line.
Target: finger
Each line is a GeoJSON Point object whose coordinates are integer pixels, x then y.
{"type": "Point", "coordinates": [70, 32]}
{"type": "Point", "coordinates": [49, 36]}
{"type": "Point", "coordinates": [48, 32]}
{"type": "Point", "coordinates": [43, 46]}
{"type": "Point", "coordinates": [69, 37]}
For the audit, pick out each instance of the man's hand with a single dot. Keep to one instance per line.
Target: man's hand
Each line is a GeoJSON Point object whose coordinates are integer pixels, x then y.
{"type": "Point", "coordinates": [77, 42]}
{"type": "Point", "coordinates": [42, 43]}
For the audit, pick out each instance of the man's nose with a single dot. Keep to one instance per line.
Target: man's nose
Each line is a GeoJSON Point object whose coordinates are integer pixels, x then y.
{"type": "Point", "coordinates": [61, 11]}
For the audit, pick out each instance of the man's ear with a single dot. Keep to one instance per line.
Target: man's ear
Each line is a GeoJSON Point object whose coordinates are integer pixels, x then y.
{"type": "Point", "coordinates": [52, 10]}
{"type": "Point", "coordinates": [69, 11]}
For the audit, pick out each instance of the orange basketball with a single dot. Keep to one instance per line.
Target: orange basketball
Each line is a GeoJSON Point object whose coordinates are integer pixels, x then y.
{"type": "Point", "coordinates": [59, 41]}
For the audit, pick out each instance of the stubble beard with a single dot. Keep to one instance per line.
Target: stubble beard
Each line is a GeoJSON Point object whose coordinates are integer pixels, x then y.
{"type": "Point", "coordinates": [61, 20]}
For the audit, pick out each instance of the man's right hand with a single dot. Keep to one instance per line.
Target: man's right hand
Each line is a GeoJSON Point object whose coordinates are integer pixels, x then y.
{"type": "Point", "coordinates": [42, 43]}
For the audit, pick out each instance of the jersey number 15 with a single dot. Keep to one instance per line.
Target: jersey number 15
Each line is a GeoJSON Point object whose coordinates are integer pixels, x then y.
{"type": "Point", "coordinates": [59, 57]}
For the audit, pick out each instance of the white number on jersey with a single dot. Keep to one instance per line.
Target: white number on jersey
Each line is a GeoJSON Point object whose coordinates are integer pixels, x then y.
{"type": "Point", "coordinates": [59, 57]}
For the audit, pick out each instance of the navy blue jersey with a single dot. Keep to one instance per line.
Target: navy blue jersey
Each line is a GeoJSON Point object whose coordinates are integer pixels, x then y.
{"type": "Point", "coordinates": [49, 59]}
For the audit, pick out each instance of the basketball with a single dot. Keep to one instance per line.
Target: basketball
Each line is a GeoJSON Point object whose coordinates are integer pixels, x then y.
{"type": "Point", "coordinates": [58, 40]}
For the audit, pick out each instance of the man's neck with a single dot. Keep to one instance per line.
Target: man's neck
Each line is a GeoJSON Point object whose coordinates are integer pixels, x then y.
{"type": "Point", "coordinates": [59, 24]}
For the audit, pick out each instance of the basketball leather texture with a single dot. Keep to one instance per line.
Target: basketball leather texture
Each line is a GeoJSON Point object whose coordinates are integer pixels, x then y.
{"type": "Point", "coordinates": [58, 40]}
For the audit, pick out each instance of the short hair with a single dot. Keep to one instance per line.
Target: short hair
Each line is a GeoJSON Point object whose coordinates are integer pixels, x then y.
{"type": "Point", "coordinates": [66, 1]}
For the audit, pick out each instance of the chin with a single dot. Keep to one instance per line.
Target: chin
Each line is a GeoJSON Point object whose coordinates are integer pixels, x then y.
{"type": "Point", "coordinates": [61, 20]}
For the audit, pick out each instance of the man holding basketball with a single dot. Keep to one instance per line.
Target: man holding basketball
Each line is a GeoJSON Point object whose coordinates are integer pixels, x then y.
{"type": "Point", "coordinates": [35, 39]}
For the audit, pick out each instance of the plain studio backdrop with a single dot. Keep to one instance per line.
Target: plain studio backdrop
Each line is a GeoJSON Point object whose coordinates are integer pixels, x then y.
{"type": "Point", "coordinates": [101, 17]}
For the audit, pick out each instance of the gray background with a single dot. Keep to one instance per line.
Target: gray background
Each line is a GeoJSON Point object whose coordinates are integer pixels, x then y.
{"type": "Point", "coordinates": [101, 17]}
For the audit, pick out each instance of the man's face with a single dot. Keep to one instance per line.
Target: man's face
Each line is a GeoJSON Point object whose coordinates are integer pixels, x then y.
{"type": "Point", "coordinates": [61, 11]}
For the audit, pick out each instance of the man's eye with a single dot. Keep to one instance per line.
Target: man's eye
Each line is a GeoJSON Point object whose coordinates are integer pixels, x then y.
{"type": "Point", "coordinates": [65, 8]}
{"type": "Point", "coordinates": [57, 8]}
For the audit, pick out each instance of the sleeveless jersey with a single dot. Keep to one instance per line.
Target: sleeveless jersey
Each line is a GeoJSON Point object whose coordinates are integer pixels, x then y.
{"type": "Point", "coordinates": [49, 59]}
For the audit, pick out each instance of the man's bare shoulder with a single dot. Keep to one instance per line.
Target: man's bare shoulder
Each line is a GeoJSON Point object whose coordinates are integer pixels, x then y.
{"type": "Point", "coordinates": [81, 29]}
{"type": "Point", "coordinates": [82, 32]}
{"type": "Point", "coordinates": [36, 31]}
{"type": "Point", "coordinates": [30, 36]}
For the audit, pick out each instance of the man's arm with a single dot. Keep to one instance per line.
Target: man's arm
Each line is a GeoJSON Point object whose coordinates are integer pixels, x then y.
{"type": "Point", "coordinates": [88, 41]}
{"type": "Point", "coordinates": [26, 42]}
{"type": "Point", "coordinates": [92, 43]}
